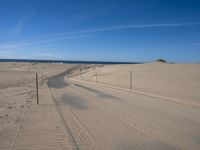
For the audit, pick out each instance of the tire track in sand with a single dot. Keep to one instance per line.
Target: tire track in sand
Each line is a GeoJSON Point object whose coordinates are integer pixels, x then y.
{"type": "Point", "coordinates": [117, 113]}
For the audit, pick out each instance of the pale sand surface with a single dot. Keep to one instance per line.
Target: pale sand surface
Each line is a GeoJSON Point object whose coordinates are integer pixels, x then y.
{"type": "Point", "coordinates": [76, 114]}
{"type": "Point", "coordinates": [173, 80]}
{"type": "Point", "coordinates": [23, 124]}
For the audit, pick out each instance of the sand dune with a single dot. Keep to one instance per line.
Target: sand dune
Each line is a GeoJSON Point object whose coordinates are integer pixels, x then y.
{"type": "Point", "coordinates": [173, 80]}
{"type": "Point", "coordinates": [76, 114]}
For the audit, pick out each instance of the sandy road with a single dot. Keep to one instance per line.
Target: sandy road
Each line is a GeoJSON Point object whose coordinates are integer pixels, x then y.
{"type": "Point", "coordinates": [104, 118]}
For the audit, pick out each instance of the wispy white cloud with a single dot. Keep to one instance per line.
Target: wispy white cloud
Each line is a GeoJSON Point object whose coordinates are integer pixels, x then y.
{"type": "Point", "coordinates": [128, 26]}
{"type": "Point", "coordinates": [5, 52]}
{"type": "Point", "coordinates": [21, 22]}
{"type": "Point", "coordinates": [11, 46]}
{"type": "Point", "coordinates": [117, 27]}
{"type": "Point", "coordinates": [164, 25]}
{"type": "Point", "coordinates": [45, 39]}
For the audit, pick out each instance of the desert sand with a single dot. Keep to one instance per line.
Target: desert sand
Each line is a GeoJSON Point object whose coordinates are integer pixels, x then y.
{"type": "Point", "coordinates": [95, 108]}
{"type": "Point", "coordinates": [174, 80]}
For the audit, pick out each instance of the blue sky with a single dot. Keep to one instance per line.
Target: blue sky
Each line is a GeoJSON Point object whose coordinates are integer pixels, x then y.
{"type": "Point", "coordinates": [100, 30]}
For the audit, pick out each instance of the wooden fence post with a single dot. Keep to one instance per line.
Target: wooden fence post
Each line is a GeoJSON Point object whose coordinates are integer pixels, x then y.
{"type": "Point", "coordinates": [96, 77]}
{"type": "Point", "coordinates": [131, 78]}
{"type": "Point", "coordinates": [37, 88]}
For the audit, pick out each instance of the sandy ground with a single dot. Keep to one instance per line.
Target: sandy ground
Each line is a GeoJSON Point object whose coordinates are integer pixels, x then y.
{"type": "Point", "coordinates": [173, 80]}
{"type": "Point", "coordinates": [77, 114]}
{"type": "Point", "coordinates": [18, 102]}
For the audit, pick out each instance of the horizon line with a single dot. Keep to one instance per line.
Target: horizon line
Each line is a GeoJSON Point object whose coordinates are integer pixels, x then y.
{"type": "Point", "coordinates": [97, 61]}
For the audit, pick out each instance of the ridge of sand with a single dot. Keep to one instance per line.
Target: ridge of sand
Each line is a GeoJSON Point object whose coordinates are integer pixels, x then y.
{"type": "Point", "coordinates": [193, 105]}
{"type": "Point", "coordinates": [180, 81]}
